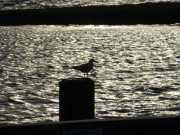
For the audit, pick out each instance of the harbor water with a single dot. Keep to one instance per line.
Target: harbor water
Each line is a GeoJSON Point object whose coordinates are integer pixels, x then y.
{"type": "Point", "coordinates": [34, 4]}
{"type": "Point", "coordinates": [137, 72]}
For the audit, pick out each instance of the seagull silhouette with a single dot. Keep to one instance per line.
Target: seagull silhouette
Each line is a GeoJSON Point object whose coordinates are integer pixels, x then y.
{"type": "Point", "coordinates": [85, 68]}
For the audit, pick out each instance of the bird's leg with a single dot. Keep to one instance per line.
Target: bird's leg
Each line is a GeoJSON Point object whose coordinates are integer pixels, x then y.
{"type": "Point", "coordinates": [84, 75]}
{"type": "Point", "coordinates": [87, 74]}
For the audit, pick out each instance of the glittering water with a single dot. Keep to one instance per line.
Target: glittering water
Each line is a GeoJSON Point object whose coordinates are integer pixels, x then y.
{"type": "Point", "coordinates": [31, 4]}
{"type": "Point", "coordinates": [137, 73]}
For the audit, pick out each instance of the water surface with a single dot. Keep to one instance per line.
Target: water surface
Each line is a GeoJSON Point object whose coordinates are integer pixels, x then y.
{"type": "Point", "coordinates": [137, 73]}
{"type": "Point", "coordinates": [36, 4]}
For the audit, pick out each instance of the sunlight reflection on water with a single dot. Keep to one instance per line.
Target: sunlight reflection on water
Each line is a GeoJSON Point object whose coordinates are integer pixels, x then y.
{"type": "Point", "coordinates": [34, 4]}
{"type": "Point", "coordinates": [136, 74]}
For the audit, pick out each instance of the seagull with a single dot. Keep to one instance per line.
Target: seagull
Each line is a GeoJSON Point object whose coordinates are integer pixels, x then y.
{"type": "Point", "coordinates": [85, 68]}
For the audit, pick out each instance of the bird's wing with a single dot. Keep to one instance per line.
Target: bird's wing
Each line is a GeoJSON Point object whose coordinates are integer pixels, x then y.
{"type": "Point", "coordinates": [83, 68]}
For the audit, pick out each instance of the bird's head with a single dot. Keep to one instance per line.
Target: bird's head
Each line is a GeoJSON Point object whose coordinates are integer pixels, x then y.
{"type": "Point", "coordinates": [91, 61]}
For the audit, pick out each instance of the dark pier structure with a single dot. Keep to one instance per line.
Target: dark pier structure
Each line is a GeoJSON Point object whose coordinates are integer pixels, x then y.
{"type": "Point", "coordinates": [128, 126]}
{"type": "Point", "coordinates": [146, 13]}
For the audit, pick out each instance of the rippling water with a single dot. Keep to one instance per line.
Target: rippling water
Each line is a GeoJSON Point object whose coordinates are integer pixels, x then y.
{"type": "Point", "coordinates": [137, 73]}
{"type": "Point", "coordinates": [26, 4]}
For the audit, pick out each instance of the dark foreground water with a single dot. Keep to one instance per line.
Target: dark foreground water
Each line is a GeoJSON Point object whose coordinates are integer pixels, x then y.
{"type": "Point", "coordinates": [137, 73]}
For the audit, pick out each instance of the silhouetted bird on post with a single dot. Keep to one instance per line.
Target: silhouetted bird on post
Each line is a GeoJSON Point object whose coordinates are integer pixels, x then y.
{"type": "Point", "coordinates": [85, 68]}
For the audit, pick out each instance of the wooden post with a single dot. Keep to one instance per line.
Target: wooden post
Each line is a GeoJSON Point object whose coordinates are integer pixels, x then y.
{"type": "Point", "coordinates": [76, 99]}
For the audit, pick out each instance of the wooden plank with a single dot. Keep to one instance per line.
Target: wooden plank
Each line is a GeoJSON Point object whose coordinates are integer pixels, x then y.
{"type": "Point", "coordinates": [126, 126]}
